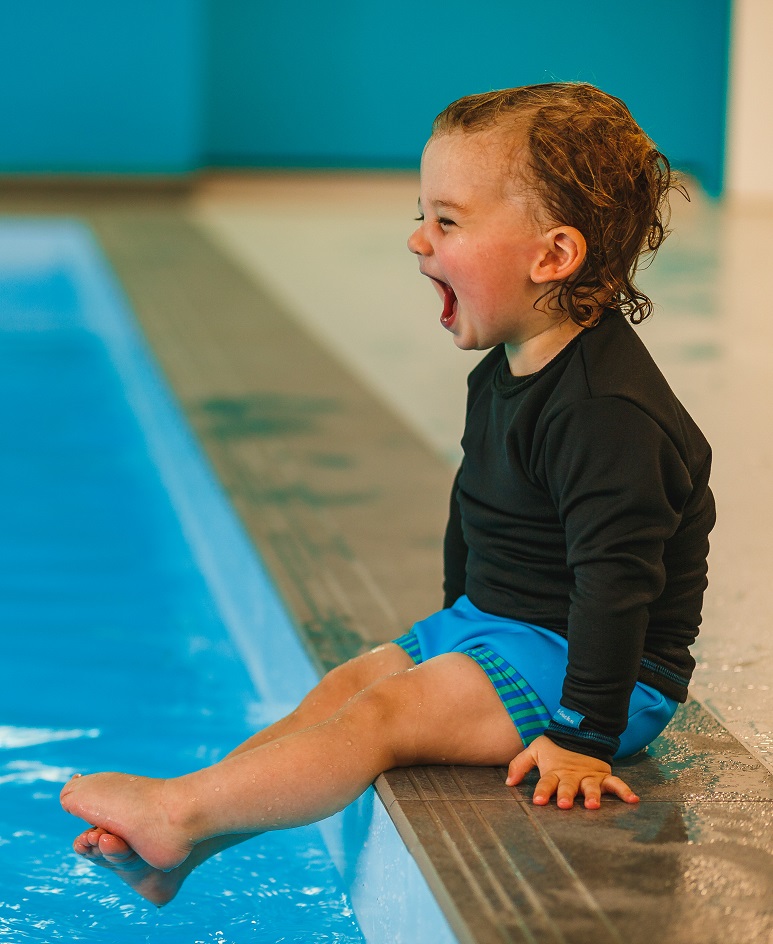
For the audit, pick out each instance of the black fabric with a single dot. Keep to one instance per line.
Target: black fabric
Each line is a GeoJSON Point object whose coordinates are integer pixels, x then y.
{"type": "Point", "coordinates": [582, 505]}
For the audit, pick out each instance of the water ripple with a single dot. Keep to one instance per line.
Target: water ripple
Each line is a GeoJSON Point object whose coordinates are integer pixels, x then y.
{"type": "Point", "coordinates": [11, 737]}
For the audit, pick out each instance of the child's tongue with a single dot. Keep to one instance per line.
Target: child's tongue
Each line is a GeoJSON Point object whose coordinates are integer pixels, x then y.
{"type": "Point", "coordinates": [449, 306]}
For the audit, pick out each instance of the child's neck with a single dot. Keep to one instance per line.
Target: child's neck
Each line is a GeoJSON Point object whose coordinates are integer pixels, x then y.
{"type": "Point", "coordinates": [531, 355]}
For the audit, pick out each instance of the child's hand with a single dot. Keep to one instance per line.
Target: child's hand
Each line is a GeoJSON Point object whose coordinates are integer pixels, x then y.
{"type": "Point", "coordinates": [566, 774]}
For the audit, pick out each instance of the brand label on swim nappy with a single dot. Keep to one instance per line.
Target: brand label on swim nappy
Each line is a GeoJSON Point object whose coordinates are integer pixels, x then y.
{"type": "Point", "coordinates": [572, 719]}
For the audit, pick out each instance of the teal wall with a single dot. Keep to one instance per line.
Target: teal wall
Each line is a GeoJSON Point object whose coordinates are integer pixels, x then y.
{"type": "Point", "coordinates": [101, 86]}
{"type": "Point", "coordinates": [166, 87]}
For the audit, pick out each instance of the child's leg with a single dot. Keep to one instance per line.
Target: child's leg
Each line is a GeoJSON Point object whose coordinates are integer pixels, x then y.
{"type": "Point", "coordinates": [444, 711]}
{"type": "Point", "coordinates": [333, 691]}
{"type": "Point", "coordinates": [329, 695]}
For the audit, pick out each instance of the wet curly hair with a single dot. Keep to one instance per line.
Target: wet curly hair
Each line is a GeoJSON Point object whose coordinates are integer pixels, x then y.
{"type": "Point", "coordinates": [593, 168]}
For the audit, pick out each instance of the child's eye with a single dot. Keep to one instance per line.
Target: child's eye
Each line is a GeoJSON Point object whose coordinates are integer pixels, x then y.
{"type": "Point", "coordinates": [442, 221]}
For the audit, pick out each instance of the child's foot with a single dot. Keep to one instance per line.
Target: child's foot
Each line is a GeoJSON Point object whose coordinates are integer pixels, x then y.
{"type": "Point", "coordinates": [139, 810]}
{"type": "Point", "coordinates": [111, 852]}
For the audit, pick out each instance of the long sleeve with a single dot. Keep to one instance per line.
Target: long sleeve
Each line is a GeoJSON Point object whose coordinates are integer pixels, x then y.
{"type": "Point", "coordinates": [454, 551]}
{"type": "Point", "coordinates": [586, 510]}
{"type": "Point", "coordinates": [618, 515]}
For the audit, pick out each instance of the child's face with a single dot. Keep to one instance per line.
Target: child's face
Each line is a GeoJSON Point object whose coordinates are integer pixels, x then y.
{"type": "Point", "coordinates": [478, 241]}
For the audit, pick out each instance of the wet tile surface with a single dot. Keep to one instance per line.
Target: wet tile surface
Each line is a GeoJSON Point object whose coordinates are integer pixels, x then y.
{"type": "Point", "coordinates": [695, 855]}
{"type": "Point", "coordinates": [697, 759]}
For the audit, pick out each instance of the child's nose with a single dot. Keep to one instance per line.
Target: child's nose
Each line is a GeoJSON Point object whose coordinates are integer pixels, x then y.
{"type": "Point", "coordinates": [418, 244]}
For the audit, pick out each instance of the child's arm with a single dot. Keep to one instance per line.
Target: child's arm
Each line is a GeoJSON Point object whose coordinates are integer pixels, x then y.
{"type": "Point", "coordinates": [454, 551]}
{"type": "Point", "coordinates": [567, 774]}
{"type": "Point", "coordinates": [619, 484]}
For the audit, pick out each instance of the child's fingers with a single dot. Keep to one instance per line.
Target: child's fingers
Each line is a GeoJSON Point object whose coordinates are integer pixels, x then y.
{"type": "Point", "coordinates": [519, 767]}
{"type": "Point", "coordinates": [620, 789]}
{"type": "Point", "coordinates": [591, 790]}
{"type": "Point", "coordinates": [593, 787]}
{"type": "Point", "coordinates": [547, 785]}
{"type": "Point", "coordinates": [568, 788]}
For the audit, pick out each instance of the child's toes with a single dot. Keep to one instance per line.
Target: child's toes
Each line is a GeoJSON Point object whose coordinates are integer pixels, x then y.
{"type": "Point", "coordinates": [114, 848]}
{"type": "Point", "coordinates": [89, 842]}
{"type": "Point", "coordinates": [83, 846]}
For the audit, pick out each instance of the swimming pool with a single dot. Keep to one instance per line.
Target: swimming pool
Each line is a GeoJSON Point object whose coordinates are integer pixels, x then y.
{"type": "Point", "coordinates": [141, 632]}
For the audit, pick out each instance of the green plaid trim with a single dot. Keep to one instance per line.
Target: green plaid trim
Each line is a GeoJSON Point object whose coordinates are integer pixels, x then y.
{"type": "Point", "coordinates": [529, 715]}
{"type": "Point", "coordinates": [410, 642]}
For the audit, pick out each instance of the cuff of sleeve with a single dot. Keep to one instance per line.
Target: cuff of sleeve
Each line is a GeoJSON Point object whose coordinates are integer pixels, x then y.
{"type": "Point", "coordinates": [572, 738]}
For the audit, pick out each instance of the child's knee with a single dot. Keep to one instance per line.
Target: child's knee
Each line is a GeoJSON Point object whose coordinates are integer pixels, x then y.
{"type": "Point", "coordinates": [379, 701]}
{"type": "Point", "coordinates": [387, 714]}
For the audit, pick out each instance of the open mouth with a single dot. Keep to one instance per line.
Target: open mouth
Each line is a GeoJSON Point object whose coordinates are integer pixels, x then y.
{"type": "Point", "coordinates": [449, 302]}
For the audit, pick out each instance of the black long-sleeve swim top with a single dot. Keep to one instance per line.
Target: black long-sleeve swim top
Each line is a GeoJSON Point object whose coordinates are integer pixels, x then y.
{"type": "Point", "coordinates": [582, 505]}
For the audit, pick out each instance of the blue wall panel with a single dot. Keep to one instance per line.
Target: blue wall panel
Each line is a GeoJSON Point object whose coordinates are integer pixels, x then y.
{"type": "Point", "coordinates": [104, 87]}
{"type": "Point", "coordinates": [357, 84]}
{"type": "Point", "coordinates": [145, 86]}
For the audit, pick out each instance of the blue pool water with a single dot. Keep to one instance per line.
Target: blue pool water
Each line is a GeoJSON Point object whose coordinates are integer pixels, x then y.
{"type": "Point", "coordinates": [140, 633]}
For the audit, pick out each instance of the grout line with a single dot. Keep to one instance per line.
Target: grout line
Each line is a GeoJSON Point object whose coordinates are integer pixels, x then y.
{"type": "Point", "coordinates": [569, 870]}
{"type": "Point", "coordinates": [507, 859]}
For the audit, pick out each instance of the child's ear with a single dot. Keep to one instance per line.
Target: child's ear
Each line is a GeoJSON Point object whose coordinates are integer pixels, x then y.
{"type": "Point", "coordinates": [563, 253]}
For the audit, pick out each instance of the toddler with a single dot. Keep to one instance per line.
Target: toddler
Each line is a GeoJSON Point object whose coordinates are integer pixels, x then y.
{"type": "Point", "coordinates": [576, 547]}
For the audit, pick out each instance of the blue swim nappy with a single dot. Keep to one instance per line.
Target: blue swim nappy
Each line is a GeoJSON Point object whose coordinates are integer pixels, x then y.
{"type": "Point", "coordinates": [526, 664]}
